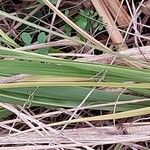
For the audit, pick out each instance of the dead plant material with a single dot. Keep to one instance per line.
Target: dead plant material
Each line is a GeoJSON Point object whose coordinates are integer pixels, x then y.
{"type": "Point", "coordinates": [132, 52]}
{"type": "Point", "coordinates": [111, 27]}
{"type": "Point", "coordinates": [146, 8]}
{"type": "Point", "coordinates": [116, 9]}
{"type": "Point", "coordinates": [100, 135]}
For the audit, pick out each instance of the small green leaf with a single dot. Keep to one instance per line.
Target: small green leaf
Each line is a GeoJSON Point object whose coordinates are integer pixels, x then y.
{"type": "Point", "coordinates": [40, 1]}
{"type": "Point", "coordinates": [54, 50]}
{"type": "Point", "coordinates": [42, 37]}
{"type": "Point", "coordinates": [26, 38]}
{"type": "Point", "coordinates": [67, 29]}
{"type": "Point", "coordinates": [91, 11]}
{"type": "Point", "coordinates": [82, 22]}
{"type": "Point", "coordinates": [95, 25]}
{"type": "Point", "coordinates": [101, 27]}
{"type": "Point", "coordinates": [52, 1]}
{"type": "Point", "coordinates": [95, 14]}
{"type": "Point", "coordinates": [81, 11]}
{"type": "Point", "coordinates": [82, 38]}
{"type": "Point", "coordinates": [66, 12]}
{"type": "Point", "coordinates": [43, 51]}
{"type": "Point", "coordinates": [87, 12]}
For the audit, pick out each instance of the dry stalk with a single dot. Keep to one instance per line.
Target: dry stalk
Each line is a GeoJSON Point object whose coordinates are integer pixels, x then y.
{"type": "Point", "coordinates": [114, 33]}
{"type": "Point", "coordinates": [123, 19]}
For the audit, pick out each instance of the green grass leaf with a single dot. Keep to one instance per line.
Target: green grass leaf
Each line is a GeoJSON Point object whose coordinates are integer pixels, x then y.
{"type": "Point", "coordinates": [65, 97]}
{"type": "Point", "coordinates": [6, 39]}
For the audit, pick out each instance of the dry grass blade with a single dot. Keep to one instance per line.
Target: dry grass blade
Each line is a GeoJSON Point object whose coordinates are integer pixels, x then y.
{"type": "Point", "coordinates": [64, 42]}
{"type": "Point", "coordinates": [107, 135]}
{"type": "Point", "coordinates": [110, 24]}
{"type": "Point", "coordinates": [121, 115]}
{"type": "Point", "coordinates": [106, 58]}
{"type": "Point", "coordinates": [116, 9]}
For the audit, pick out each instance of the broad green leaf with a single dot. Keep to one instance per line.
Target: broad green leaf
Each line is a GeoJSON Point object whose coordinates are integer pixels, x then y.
{"type": "Point", "coordinates": [65, 97]}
